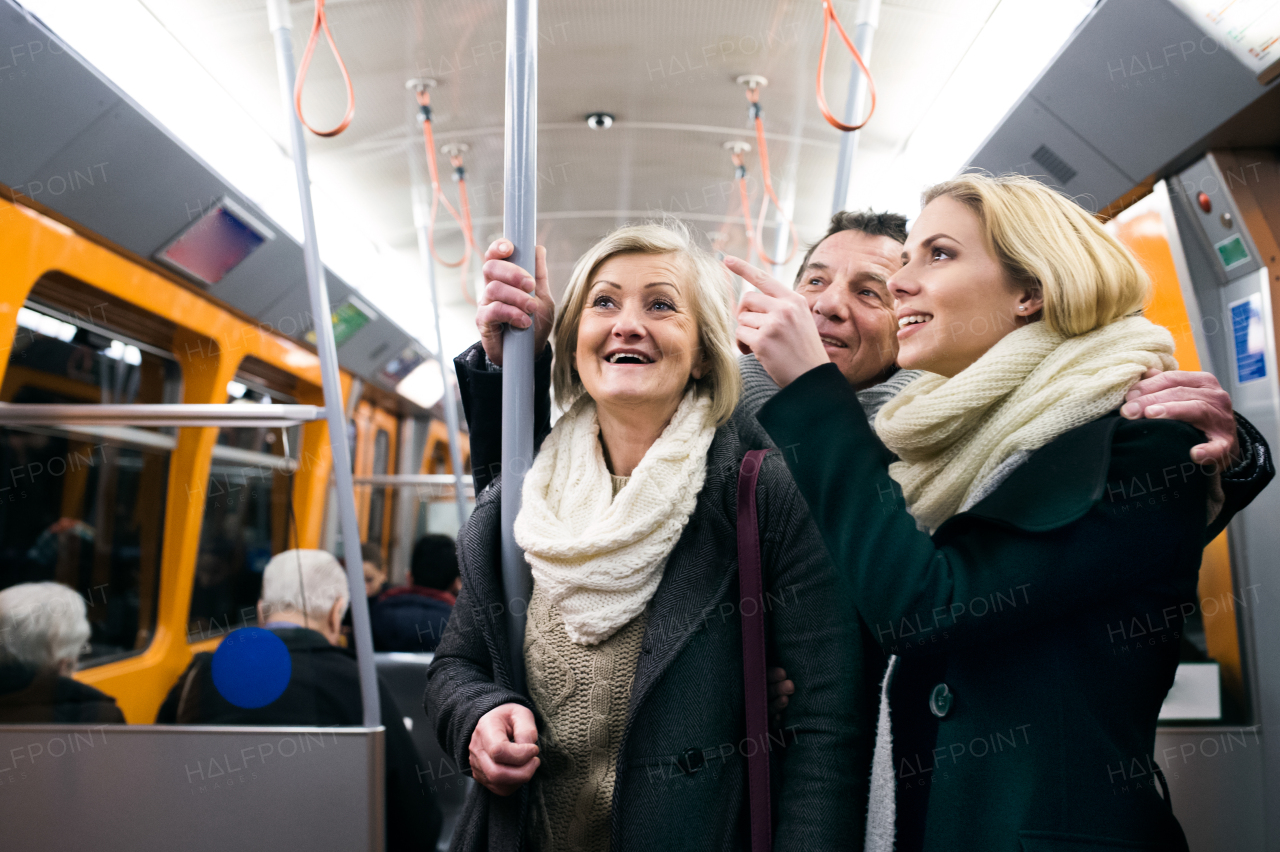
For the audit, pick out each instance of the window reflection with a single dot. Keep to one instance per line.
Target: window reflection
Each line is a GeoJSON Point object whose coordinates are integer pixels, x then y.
{"type": "Point", "coordinates": [246, 521]}
{"type": "Point", "coordinates": [84, 506]}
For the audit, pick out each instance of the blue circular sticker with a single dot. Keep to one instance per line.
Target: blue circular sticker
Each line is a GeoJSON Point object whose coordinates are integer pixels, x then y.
{"type": "Point", "coordinates": [251, 668]}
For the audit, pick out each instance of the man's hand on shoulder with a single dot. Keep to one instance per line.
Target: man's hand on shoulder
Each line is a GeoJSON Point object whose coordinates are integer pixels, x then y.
{"type": "Point", "coordinates": [1194, 398]}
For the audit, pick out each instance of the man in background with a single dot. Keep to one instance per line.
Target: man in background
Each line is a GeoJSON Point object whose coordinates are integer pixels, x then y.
{"type": "Point", "coordinates": [413, 618]}
{"type": "Point", "coordinates": [304, 598]}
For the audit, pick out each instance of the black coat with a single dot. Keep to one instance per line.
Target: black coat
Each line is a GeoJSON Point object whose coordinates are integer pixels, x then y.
{"type": "Point", "coordinates": [408, 619]}
{"type": "Point", "coordinates": [28, 695]}
{"type": "Point", "coordinates": [681, 770]}
{"type": "Point", "coordinates": [323, 690]}
{"type": "Point", "coordinates": [1024, 711]}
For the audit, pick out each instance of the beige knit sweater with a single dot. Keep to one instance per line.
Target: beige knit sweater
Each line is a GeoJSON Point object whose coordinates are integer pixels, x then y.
{"type": "Point", "coordinates": [581, 694]}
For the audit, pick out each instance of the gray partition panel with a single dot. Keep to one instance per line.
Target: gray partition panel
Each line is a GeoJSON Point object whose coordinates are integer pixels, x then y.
{"type": "Point", "coordinates": [123, 788]}
{"type": "Point", "coordinates": [44, 85]}
{"type": "Point", "coordinates": [1031, 140]}
{"type": "Point", "coordinates": [1215, 784]}
{"type": "Point", "coordinates": [1141, 82]}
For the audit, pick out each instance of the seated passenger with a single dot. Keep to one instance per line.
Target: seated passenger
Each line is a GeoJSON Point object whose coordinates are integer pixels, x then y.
{"type": "Point", "coordinates": [375, 576]}
{"type": "Point", "coordinates": [304, 596]}
{"type": "Point", "coordinates": [412, 618]}
{"type": "Point", "coordinates": [42, 631]}
{"type": "Point", "coordinates": [375, 583]}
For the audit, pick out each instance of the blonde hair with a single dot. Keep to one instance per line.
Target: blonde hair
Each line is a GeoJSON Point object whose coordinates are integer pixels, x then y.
{"type": "Point", "coordinates": [708, 290]}
{"type": "Point", "coordinates": [42, 625]}
{"type": "Point", "coordinates": [1087, 277]}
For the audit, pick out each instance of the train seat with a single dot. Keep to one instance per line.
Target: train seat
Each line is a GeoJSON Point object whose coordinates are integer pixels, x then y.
{"type": "Point", "coordinates": [406, 677]}
{"type": "Point", "coordinates": [125, 787]}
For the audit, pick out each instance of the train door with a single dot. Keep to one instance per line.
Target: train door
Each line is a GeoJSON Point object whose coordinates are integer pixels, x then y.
{"type": "Point", "coordinates": [1209, 237]}
{"type": "Point", "coordinates": [437, 509]}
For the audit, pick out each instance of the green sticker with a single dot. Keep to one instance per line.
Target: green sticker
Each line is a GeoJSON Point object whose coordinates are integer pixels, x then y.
{"type": "Point", "coordinates": [347, 320]}
{"type": "Point", "coordinates": [1232, 251]}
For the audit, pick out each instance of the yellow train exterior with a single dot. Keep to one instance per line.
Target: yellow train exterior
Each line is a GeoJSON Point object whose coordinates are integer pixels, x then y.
{"type": "Point", "coordinates": [166, 507]}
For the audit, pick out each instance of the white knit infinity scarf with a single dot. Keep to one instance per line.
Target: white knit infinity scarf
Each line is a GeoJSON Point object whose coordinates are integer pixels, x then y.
{"type": "Point", "coordinates": [1028, 389]}
{"type": "Point", "coordinates": [600, 557]}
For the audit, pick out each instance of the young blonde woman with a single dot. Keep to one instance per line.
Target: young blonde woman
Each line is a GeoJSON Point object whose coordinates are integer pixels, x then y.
{"type": "Point", "coordinates": [632, 735]}
{"type": "Point", "coordinates": [1022, 529]}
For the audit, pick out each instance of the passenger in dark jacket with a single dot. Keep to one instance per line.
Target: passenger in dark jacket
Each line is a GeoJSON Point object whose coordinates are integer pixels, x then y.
{"type": "Point", "coordinates": [413, 618]}
{"type": "Point", "coordinates": [674, 731]}
{"type": "Point", "coordinates": [323, 688]}
{"type": "Point", "coordinates": [1039, 530]}
{"type": "Point", "coordinates": [28, 694]}
{"type": "Point", "coordinates": [42, 631]}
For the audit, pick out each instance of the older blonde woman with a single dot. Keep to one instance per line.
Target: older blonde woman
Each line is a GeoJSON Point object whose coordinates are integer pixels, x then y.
{"type": "Point", "coordinates": [1023, 530]}
{"type": "Point", "coordinates": [633, 734]}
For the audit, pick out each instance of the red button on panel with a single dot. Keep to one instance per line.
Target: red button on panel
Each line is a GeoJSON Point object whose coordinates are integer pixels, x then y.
{"type": "Point", "coordinates": [1205, 203]}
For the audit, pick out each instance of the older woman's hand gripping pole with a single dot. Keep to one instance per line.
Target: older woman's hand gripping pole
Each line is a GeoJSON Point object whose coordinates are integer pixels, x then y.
{"type": "Point", "coordinates": [774, 324]}
{"type": "Point", "coordinates": [511, 297]}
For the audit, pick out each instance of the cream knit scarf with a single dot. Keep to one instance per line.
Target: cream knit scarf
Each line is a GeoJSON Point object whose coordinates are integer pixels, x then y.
{"type": "Point", "coordinates": [1028, 389]}
{"type": "Point", "coordinates": [600, 558]}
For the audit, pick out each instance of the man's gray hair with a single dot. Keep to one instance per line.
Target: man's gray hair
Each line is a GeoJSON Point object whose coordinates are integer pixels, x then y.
{"type": "Point", "coordinates": [42, 625]}
{"type": "Point", "coordinates": [303, 581]}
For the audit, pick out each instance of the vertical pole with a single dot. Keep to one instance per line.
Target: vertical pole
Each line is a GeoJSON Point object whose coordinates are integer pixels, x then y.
{"type": "Point", "coordinates": [278, 18]}
{"type": "Point", "coordinates": [855, 103]}
{"type": "Point", "coordinates": [450, 405]}
{"type": "Point", "coordinates": [520, 205]}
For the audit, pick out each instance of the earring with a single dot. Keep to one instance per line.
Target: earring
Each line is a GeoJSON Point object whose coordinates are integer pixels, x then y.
{"type": "Point", "coordinates": [1021, 308]}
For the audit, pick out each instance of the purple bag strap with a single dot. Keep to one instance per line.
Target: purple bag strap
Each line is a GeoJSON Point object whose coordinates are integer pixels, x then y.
{"type": "Point", "coordinates": [751, 587]}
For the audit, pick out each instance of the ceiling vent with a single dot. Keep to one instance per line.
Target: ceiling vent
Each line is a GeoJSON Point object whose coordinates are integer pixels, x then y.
{"type": "Point", "coordinates": [1053, 164]}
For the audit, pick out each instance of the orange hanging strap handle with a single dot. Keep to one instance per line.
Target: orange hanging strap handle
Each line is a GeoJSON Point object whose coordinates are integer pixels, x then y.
{"type": "Point", "coordinates": [463, 218]}
{"type": "Point", "coordinates": [740, 175]}
{"type": "Point", "coordinates": [318, 23]}
{"type": "Point", "coordinates": [829, 18]}
{"type": "Point", "coordinates": [753, 95]}
{"type": "Point", "coordinates": [468, 230]}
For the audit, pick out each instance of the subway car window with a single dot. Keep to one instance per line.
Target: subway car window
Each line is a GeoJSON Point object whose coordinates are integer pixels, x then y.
{"type": "Point", "coordinates": [246, 520]}
{"type": "Point", "coordinates": [84, 507]}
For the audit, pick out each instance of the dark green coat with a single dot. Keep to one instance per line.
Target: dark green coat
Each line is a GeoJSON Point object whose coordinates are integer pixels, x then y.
{"type": "Point", "coordinates": [1038, 632]}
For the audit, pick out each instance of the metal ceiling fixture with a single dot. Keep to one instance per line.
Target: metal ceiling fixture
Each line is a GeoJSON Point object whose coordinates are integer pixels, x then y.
{"type": "Point", "coordinates": [600, 121]}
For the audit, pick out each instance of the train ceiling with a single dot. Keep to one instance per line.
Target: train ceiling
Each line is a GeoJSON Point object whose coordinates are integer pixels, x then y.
{"type": "Point", "coordinates": [946, 71]}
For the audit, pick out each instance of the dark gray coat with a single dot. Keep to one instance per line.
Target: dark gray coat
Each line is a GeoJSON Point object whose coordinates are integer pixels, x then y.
{"type": "Point", "coordinates": [681, 773]}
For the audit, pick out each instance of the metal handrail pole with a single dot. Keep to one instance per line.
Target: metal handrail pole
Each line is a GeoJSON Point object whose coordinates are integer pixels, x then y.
{"type": "Point", "coordinates": [157, 414]}
{"type": "Point", "coordinates": [409, 480]}
{"type": "Point", "coordinates": [855, 102]}
{"type": "Point", "coordinates": [519, 213]}
{"type": "Point", "coordinates": [326, 348]}
{"type": "Point", "coordinates": [450, 404]}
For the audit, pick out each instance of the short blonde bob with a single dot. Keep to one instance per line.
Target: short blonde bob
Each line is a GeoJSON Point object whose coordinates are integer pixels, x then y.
{"type": "Point", "coordinates": [1087, 277]}
{"type": "Point", "coordinates": [706, 286]}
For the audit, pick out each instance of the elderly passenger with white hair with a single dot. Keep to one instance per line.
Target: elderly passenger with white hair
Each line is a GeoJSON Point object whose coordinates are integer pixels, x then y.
{"type": "Point", "coordinates": [304, 597]}
{"type": "Point", "coordinates": [43, 629]}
